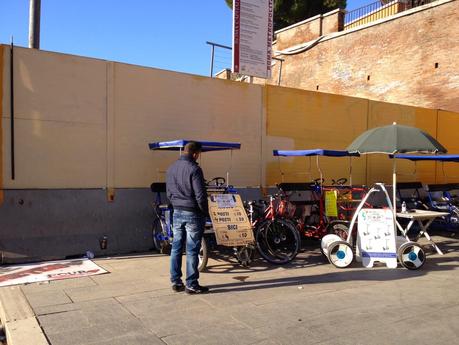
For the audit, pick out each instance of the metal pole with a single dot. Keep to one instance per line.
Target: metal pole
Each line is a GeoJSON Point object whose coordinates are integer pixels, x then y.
{"type": "Point", "coordinates": [280, 73]}
{"type": "Point", "coordinates": [34, 23]}
{"type": "Point", "coordinates": [212, 62]}
{"type": "Point", "coordinates": [12, 108]}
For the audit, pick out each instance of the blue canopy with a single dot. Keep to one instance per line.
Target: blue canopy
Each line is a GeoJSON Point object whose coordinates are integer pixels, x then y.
{"type": "Point", "coordinates": [177, 145]}
{"type": "Point", "coordinates": [442, 158]}
{"type": "Point", "coordinates": [316, 152]}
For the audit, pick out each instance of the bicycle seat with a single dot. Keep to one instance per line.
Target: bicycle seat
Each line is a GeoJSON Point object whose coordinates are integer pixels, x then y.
{"type": "Point", "coordinates": [158, 187]}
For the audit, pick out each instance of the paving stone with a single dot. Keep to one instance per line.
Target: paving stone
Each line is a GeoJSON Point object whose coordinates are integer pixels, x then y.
{"type": "Point", "coordinates": [220, 332]}
{"type": "Point", "coordinates": [125, 288]}
{"type": "Point", "coordinates": [139, 338]}
{"type": "Point", "coordinates": [89, 314]}
{"type": "Point", "coordinates": [59, 284]}
{"type": "Point", "coordinates": [177, 321]}
{"type": "Point", "coordinates": [45, 298]}
{"type": "Point", "coordinates": [164, 305]}
{"type": "Point", "coordinates": [108, 333]}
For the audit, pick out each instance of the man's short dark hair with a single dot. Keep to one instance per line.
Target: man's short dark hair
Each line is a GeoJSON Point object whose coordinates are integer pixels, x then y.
{"type": "Point", "coordinates": [193, 147]}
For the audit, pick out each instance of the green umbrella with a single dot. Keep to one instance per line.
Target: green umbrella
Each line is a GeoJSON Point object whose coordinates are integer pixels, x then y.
{"type": "Point", "coordinates": [395, 139]}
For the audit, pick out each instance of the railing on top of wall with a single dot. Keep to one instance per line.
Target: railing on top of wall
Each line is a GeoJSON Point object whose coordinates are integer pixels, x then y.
{"type": "Point", "coordinates": [379, 9]}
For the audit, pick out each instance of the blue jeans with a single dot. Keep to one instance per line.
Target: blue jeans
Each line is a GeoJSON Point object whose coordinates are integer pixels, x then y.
{"type": "Point", "coordinates": [188, 228]}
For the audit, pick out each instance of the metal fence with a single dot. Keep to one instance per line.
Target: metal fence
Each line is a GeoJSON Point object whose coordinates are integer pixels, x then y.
{"type": "Point", "coordinates": [221, 62]}
{"type": "Point", "coordinates": [380, 9]}
{"type": "Point", "coordinates": [220, 58]}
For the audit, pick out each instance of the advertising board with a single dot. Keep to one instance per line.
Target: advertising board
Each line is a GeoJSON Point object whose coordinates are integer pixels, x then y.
{"type": "Point", "coordinates": [229, 220]}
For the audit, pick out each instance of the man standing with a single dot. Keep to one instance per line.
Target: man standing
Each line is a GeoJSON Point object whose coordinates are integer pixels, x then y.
{"type": "Point", "coordinates": [187, 193]}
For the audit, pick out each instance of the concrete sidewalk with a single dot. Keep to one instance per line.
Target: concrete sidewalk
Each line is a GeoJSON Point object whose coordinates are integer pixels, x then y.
{"type": "Point", "coordinates": [306, 302]}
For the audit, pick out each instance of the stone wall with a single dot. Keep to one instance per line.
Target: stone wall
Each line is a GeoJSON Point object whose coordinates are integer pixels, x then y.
{"type": "Point", "coordinates": [409, 58]}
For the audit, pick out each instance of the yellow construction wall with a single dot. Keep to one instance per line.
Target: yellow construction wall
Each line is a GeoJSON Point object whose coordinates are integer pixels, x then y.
{"type": "Point", "coordinates": [448, 126]}
{"type": "Point", "coordinates": [60, 121]}
{"type": "Point", "coordinates": [86, 123]}
{"type": "Point", "coordinates": [299, 119]}
{"type": "Point", "coordinates": [154, 105]}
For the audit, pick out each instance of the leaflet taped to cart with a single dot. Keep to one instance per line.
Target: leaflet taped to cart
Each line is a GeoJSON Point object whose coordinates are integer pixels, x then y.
{"type": "Point", "coordinates": [229, 219]}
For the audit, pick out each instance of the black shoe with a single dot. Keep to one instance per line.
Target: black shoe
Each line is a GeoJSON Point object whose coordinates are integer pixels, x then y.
{"type": "Point", "coordinates": [178, 287]}
{"type": "Point", "coordinates": [196, 289]}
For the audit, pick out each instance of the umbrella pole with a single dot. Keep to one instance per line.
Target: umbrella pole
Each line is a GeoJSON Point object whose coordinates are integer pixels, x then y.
{"type": "Point", "coordinates": [394, 187]}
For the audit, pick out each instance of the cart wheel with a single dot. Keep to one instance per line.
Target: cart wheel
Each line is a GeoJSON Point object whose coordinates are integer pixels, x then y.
{"type": "Point", "coordinates": [340, 254]}
{"type": "Point", "coordinates": [203, 255]}
{"type": "Point", "coordinates": [160, 242]}
{"type": "Point", "coordinates": [411, 255]}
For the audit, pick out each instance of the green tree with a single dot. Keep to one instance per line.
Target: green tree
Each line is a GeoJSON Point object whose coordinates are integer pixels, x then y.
{"type": "Point", "coordinates": [288, 12]}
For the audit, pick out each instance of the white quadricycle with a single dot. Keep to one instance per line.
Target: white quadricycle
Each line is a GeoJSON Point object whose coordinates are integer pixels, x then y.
{"type": "Point", "coordinates": [377, 240]}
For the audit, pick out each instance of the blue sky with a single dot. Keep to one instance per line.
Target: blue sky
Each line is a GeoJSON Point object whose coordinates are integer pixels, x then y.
{"type": "Point", "coordinates": [169, 35]}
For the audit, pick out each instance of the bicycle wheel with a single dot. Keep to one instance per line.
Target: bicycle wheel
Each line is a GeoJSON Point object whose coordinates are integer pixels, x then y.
{"type": "Point", "coordinates": [160, 238]}
{"type": "Point", "coordinates": [203, 255]}
{"type": "Point", "coordinates": [278, 241]}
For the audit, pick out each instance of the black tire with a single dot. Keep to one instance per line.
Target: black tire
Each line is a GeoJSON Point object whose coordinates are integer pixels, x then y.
{"type": "Point", "coordinates": [278, 241]}
{"type": "Point", "coordinates": [339, 228]}
{"type": "Point", "coordinates": [159, 231]}
{"type": "Point", "coordinates": [411, 255]}
{"type": "Point", "coordinates": [203, 255]}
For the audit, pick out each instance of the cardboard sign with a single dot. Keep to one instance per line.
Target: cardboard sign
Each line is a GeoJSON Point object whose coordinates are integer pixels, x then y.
{"type": "Point", "coordinates": [229, 220]}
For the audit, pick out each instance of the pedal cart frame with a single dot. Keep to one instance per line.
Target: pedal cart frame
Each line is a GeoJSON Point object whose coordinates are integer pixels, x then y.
{"type": "Point", "coordinates": [343, 196]}
{"type": "Point", "coordinates": [162, 224]}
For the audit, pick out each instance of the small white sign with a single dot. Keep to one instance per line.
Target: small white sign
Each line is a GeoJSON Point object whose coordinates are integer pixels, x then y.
{"type": "Point", "coordinates": [376, 237]}
{"type": "Point", "coordinates": [224, 200]}
{"type": "Point", "coordinates": [252, 37]}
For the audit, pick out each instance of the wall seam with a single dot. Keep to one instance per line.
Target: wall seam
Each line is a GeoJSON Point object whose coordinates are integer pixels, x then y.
{"type": "Point", "coordinates": [263, 125]}
{"type": "Point", "coordinates": [1, 122]}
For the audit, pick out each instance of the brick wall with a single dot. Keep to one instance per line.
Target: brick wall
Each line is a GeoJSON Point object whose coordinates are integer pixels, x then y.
{"type": "Point", "coordinates": [409, 59]}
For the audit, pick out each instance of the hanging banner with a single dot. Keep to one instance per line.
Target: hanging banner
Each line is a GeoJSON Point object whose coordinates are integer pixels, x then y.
{"type": "Point", "coordinates": [252, 37]}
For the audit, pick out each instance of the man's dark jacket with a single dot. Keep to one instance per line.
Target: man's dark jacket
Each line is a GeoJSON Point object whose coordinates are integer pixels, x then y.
{"type": "Point", "coordinates": [185, 185]}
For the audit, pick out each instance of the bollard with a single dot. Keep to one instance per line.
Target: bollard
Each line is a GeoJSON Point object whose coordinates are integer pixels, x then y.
{"type": "Point", "coordinates": [103, 242]}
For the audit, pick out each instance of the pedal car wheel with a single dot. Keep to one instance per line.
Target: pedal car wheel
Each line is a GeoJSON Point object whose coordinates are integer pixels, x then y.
{"type": "Point", "coordinates": [160, 239]}
{"type": "Point", "coordinates": [203, 256]}
{"type": "Point", "coordinates": [340, 254]}
{"type": "Point", "coordinates": [411, 255]}
{"type": "Point", "coordinates": [278, 241]}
